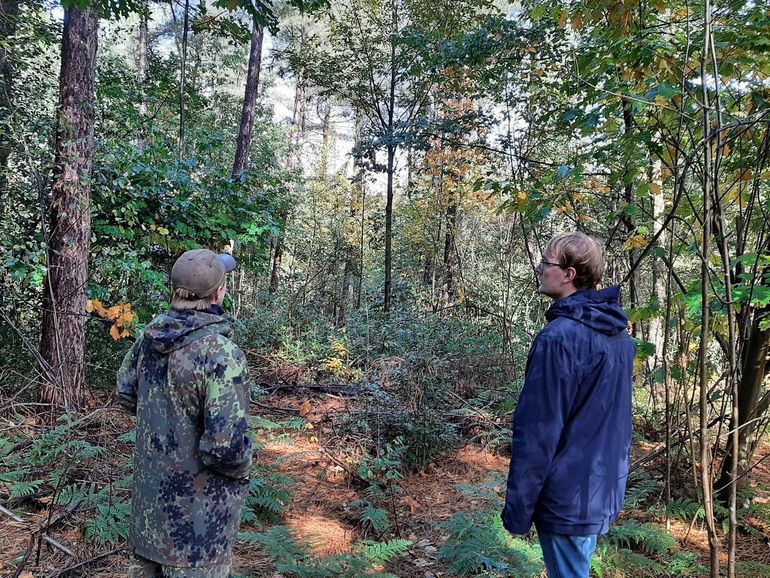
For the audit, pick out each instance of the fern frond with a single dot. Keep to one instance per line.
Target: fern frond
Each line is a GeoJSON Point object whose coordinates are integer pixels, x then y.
{"type": "Point", "coordinates": [638, 492]}
{"type": "Point", "coordinates": [382, 552]}
{"type": "Point", "coordinates": [110, 525]}
{"type": "Point", "coordinates": [376, 518]}
{"type": "Point", "coordinates": [13, 476]}
{"type": "Point", "coordinates": [685, 509]}
{"type": "Point", "coordinates": [23, 489]}
{"type": "Point", "coordinates": [648, 537]}
{"type": "Point", "coordinates": [752, 569]}
{"type": "Point", "coordinates": [5, 446]}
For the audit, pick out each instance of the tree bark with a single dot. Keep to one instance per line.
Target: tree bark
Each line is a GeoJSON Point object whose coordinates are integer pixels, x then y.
{"type": "Point", "coordinates": [389, 230]}
{"type": "Point", "coordinates": [63, 328]}
{"type": "Point", "coordinates": [183, 77]}
{"type": "Point", "coordinates": [141, 141]}
{"type": "Point", "coordinates": [9, 13]}
{"type": "Point", "coordinates": [448, 289]}
{"type": "Point", "coordinates": [703, 365]}
{"type": "Point", "coordinates": [243, 145]}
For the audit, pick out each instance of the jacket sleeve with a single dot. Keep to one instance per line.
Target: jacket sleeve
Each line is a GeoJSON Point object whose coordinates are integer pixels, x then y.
{"type": "Point", "coordinates": [544, 406]}
{"type": "Point", "coordinates": [127, 381]}
{"type": "Point", "coordinates": [225, 445]}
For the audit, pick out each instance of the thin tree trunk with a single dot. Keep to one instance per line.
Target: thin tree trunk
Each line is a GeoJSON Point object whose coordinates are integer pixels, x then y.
{"type": "Point", "coordinates": [243, 144]}
{"type": "Point", "coordinates": [705, 442]}
{"type": "Point", "coordinates": [391, 150]}
{"type": "Point", "coordinates": [183, 77]}
{"type": "Point", "coordinates": [628, 197]}
{"type": "Point", "coordinates": [298, 127]}
{"type": "Point", "coordinates": [9, 13]}
{"type": "Point", "coordinates": [141, 141]}
{"type": "Point", "coordinates": [63, 327]}
{"type": "Point", "coordinates": [659, 269]}
{"type": "Point", "coordinates": [448, 288]}
{"type": "Point", "coordinates": [389, 230]}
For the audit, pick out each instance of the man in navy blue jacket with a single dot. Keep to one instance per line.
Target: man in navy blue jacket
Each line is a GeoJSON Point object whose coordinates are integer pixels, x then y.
{"type": "Point", "coordinates": [572, 426]}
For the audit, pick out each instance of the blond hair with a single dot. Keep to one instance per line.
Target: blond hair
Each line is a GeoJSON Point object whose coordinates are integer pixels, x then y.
{"type": "Point", "coordinates": [582, 253]}
{"type": "Point", "coordinates": [185, 300]}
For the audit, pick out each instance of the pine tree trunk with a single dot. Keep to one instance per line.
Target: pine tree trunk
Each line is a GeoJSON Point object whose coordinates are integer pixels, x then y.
{"type": "Point", "coordinates": [63, 328]}
{"type": "Point", "coordinates": [249, 102]}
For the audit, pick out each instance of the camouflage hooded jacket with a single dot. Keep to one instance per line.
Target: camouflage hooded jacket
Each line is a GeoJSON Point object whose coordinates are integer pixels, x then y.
{"type": "Point", "coordinates": [189, 386]}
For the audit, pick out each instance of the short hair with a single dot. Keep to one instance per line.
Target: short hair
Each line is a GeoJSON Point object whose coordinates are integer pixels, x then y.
{"type": "Point", "coordinates": [186, 300]}
{"type": "Point", "coordinates": [582, 253]}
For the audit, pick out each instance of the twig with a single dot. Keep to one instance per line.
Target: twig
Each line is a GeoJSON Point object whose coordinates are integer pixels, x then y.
{"type": "Point", "coordinates": [49, 373]}
{"type": "Point", "coordinates": [91, 560]}
{"type": "Point", "coordinates": [338, 462]}
{"type": "Point", "coordinates": [289, 410]}
{"type": "Point", "coordinates": [27, 554]}
{"type": "Point", "coordinates": [48, 539]}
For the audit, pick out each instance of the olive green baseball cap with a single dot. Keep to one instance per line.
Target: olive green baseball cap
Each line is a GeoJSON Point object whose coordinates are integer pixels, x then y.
{"type": "Point", "coordinates": [201, 271]}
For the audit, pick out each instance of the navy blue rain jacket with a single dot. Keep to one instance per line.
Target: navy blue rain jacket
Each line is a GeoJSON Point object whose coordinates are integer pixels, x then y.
{"type": "Point", "coordinates": [572, 425]}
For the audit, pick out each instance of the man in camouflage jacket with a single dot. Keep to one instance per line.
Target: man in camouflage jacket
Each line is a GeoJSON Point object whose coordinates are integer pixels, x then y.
{"type": "Point", "coordinates": [189, 387]}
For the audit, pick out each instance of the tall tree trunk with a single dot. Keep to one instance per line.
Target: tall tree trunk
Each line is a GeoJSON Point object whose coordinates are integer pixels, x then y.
{"type": "Point", "coordinates": [628, 190]}
{"type": "Point", "coordinates": [141, 141]}
{"type": "Point", "coordinates": [9, 13]}
{"type": "Point", "coordinates": [298, 129]}
{"type": "Point", "coordinates": [448, 288]}
{"type": "Point", "coordinates": [389, 229]}
{"type": "Point", "coordinates": [659, 270]}
{"type": "Point", "coordinates": [63, 329]}
{"type": "Point", "coordinates": [183, 77]}
{"type": "Point", "coordinates": [249, 102]}
{"type": "Point", "coordinates": [703, 365]}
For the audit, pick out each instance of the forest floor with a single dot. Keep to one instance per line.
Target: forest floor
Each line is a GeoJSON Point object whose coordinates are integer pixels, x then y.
{"type": "Point", "coordinates": [320, 462]}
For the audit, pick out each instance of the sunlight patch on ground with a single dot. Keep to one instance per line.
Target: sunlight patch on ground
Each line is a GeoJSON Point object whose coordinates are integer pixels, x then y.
{"type": "Point", "coordinates": [325, 536]}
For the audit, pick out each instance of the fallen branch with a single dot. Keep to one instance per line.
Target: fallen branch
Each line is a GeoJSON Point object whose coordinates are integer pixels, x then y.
{"type": "Point", "coordinates": [275, 408]}
{"type": "Point", "coordinates": [45, 537]}
{"type": "Point", "coordinates": [91, 560]}
{"type": "Point", "coordinates": [336, 388]}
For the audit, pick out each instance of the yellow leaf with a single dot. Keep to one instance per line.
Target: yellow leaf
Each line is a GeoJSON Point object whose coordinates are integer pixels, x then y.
{"type": "Point", "coordinates": [522, 196]}
{"type": "Point", "coordinates": [309, 426]}
{"type": "Point", "coordinates": [563, 19]}
{"type": "Point", "coordinates": [304, 409]}
{"type": "Point", "coordinates": [89, 306]}
{"type": "Point", "coordinates": [746, 175]}
{"type": "Point", "coordinates": [660, 5]}
{"type": "Point", "coordinates": [45, 499]}
{"type": "Point", "coordinates": [635, 242]}
{"type": "Point", "coordinates": [163, 230]}
{"type": "Point", "coordinates": [655, 188]}
{"type": "Point", "coordinates": [726, 150]}
{"type": "Point", "coordinates": [661, 100]}
{"type": "Point", "coordinates": [114, 332]}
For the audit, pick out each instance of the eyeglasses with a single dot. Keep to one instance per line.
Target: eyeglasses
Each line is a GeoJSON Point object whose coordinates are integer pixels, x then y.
{"type": "Point", "coordinates": [543, 264]}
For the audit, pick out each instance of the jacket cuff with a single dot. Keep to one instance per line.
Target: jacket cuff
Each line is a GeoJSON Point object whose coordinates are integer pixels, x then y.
{"type": "Point", "coordinates": [513, 527]}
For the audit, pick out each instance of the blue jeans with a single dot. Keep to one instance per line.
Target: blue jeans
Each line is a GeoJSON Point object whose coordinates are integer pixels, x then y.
{"type": "Point", "coordinates": [567, 556]}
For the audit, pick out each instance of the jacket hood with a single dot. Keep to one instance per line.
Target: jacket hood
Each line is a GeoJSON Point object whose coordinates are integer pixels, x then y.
{"type": "Point", "coordinates": [175, 329]}
{"type": "Point", "coordinates": [599, 310]}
